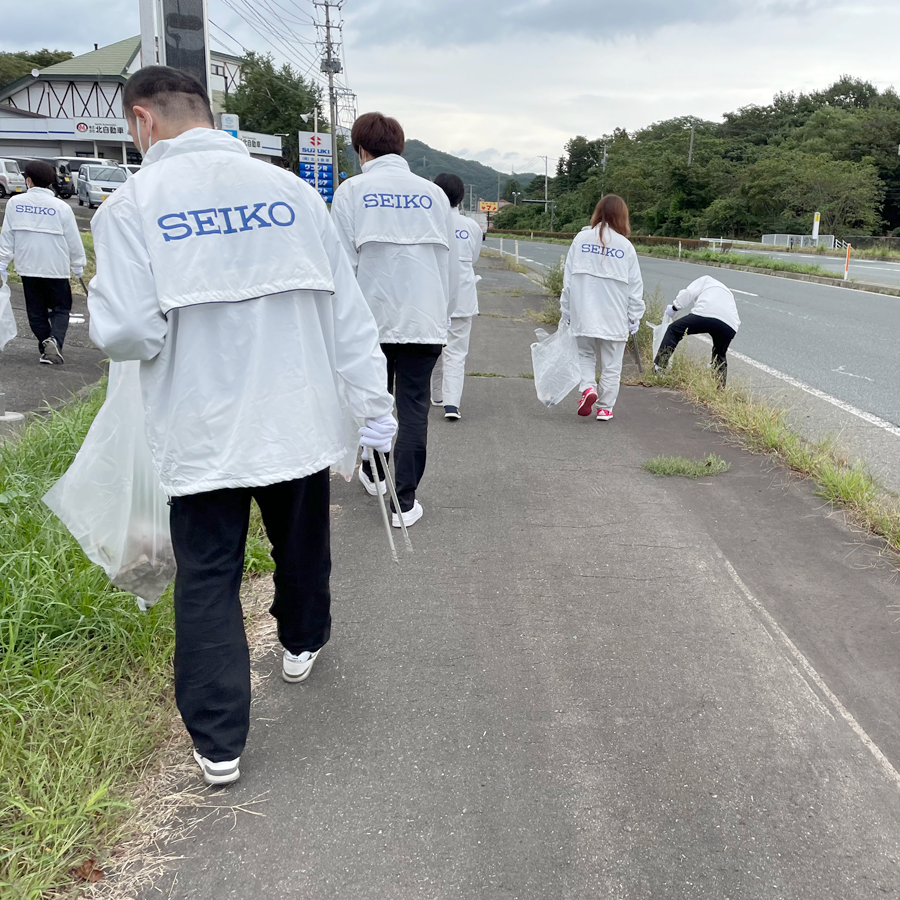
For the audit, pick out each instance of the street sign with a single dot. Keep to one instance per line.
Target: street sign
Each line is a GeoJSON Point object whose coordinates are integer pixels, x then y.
{"type": "Point", "coordinates": [487, 206]}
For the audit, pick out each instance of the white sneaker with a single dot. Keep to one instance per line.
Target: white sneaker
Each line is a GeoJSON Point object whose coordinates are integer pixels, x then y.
{"type": "Point", "coordinates": [437, 402]}
{"type": "Point", "coordinates": [219, 772]}
{"type": "Point", "coordinates": [295, 669]}
{"type": "Point", "coordinates": [369, 483]}
{"type": "Point", "coordinates": [410, 517]}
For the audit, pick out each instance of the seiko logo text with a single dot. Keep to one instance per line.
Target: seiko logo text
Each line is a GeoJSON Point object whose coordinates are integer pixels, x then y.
{"type": "Point", "coordinates": [398, 201]}
{"type": "Point", "coordinates": [603, 251]}
{"type": "Point", "coordinates": [462, 234]}
{"type": "Point", "coordinates": [38, 210]}
{"type": "Point", "coordinates": [225, 220]}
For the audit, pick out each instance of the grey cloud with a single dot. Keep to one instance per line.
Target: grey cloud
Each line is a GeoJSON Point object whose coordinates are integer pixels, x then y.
{"type": "Point", "coordinates": [476, 21]}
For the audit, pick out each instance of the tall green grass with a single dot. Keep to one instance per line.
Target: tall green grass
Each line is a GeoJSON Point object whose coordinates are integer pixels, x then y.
{"type": "Point", "coordinates": [739, 259]}
{"type": "Point", "coordinates": [82, 672]}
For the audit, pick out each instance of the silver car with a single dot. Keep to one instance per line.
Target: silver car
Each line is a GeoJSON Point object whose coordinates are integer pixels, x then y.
{"type": "Point", "coordinates": [96, 183]}
{"type": "Point", "coordinates": [11, 179]}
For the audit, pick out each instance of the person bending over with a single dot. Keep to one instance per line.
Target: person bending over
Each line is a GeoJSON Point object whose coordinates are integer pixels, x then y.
{"type": "Point", "coordinates": [714, 313]}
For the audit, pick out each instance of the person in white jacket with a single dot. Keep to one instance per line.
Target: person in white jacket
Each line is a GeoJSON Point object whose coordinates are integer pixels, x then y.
{"type": "Point", "coordinates": [450, 370]}
{"type": "Point", "coordinates": [714, 313]}
{"type": "Point", "coordinates": [398, 231]}
{"type": "Point", "coordinates": [224, 275]}
{"type": "Point", "coordinates": [603, 300]}
{"type": "Point", "coordinates": [40, 233]}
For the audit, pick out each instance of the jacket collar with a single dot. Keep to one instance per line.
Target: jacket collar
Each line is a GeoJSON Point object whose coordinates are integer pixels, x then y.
{"type": "Point", "coordinates": [391, 161]}
{"type": "Point", "coordinates": [39, 190]}
{"type": "Point", "coordinates": [192, 141]}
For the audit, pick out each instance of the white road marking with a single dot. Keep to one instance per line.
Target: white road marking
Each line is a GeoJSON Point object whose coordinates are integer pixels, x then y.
{"type": "Point", "coordinates": [813, 675]}
{"type": "Point", "coordinates": [746, 293]}
{"type": "Point", "coordinates": [795, 382]}
{"type": "Point", "coordinates": [841, 371]}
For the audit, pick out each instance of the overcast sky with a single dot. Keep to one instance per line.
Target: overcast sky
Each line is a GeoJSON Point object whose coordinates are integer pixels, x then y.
{"type": "Point", "coordinates": [504, 82]}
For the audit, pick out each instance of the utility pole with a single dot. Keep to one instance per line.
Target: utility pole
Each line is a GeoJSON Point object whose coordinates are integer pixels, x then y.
{"type": "Point", "coordinates": [471, 188]}
{"type": "Point", "coordinates": [546, 160]}
{"type": "Point", "coordinates": [691, 148]}
{"type": "Point", "coordinates": [331, 66]}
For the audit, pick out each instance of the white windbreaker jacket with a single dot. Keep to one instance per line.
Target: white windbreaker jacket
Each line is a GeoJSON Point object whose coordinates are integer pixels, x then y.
{"type": "Point", "coordinates": [710, 298]}
{"type": "Point", "coordinates": [225, 276]}
{"type": "Point", "coordinates": [398, 231]}
{"type": "Point", "coordinates": [602, 285]}
{"type": "Point", "coordinates": [468, 245]}
{"type": "Point", "coordinates": [41, 234]}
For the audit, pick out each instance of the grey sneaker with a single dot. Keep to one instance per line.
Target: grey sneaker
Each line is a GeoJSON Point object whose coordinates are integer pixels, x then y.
{"type": "Point", "coordinates": [219, 772]}
{"type": "Point", "coordinates": [52, 352]}
{"type": "Point", "coordinates": [295, 669]}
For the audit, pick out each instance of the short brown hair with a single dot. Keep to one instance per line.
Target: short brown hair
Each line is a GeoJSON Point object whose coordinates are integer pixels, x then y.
{"type": "Point", "coordinates": [377, 134]}
{"type": "Point", "coordinates": [172, 92]}
{"type": "Point", "coordinates": [612, 211]}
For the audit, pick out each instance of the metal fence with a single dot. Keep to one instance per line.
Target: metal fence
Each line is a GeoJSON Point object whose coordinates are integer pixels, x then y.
{"type": "Point", "coordinates": [799, 240]}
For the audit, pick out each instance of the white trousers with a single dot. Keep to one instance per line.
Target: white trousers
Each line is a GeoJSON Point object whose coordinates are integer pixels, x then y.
{"type": "Point", "coordinates": [450, 371]}
{"type": "Point", "coordinates": [611, 355]}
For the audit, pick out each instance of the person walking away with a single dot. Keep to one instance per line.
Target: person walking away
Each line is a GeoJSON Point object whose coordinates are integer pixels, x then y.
{"type": "Point", "coordinates": [225, 277]}
{"type": "Point", "coordinates": [41, 235]}
{"type": "Point", "coordinates": [603, 299]}
{"type": "Point", "coordinates": [449, 374]}
{"type": "Point", "coordinates": [398, 231]}
{"type": "Point", "coordinates": [715, 313]}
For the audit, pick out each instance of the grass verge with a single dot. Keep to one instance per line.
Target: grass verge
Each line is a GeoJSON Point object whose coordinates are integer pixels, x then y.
{"type": "Point", "coordinates": [688, 468]}
{"type": "Point", "coordinates": [763, 427]}
{"type": "Point", "coordinates": [85, 676]}
{"type": "Point", "coordinates": [739, 259]}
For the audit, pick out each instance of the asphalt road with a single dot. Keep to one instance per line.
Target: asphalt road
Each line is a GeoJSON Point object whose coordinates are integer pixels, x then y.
{"type": "Point", "coordinates": [587, 682]}
{"type": "Point", "coordinates": [839, 341]}
{"type": "Point", "coordinates": [871, 271]}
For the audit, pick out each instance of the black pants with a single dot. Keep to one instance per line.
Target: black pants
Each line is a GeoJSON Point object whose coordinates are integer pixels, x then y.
{"type": "Point", "coordinates": [722, 335]}
{"type": "Point", "coordinates": [212, 663]}
{"type": "Point", "coordinates": [48, 302]}
{"type": "Point", "coordinates": [409, 368]}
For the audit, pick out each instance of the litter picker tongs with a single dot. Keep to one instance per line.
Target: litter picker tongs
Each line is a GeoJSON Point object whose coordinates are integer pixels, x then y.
{"type": "Point", "coordinates": [389, 481]}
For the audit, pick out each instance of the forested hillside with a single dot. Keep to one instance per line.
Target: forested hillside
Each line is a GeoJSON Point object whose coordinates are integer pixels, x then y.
{"type": "Point", "coordinates": [763, 169]}
{"type": "Point", "coordinates": [428, 162]}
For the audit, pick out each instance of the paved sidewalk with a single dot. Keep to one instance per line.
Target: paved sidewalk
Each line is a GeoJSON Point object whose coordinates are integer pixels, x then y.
{"type": "Point", "coordinates": [587, 682]}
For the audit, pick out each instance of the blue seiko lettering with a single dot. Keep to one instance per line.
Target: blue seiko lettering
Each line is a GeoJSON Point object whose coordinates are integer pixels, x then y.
{"type": "Point", "coordinates": [245, 219]}
{"type": "Point", "coordinates": [38, 210]}
{"type": "Point", "coordinates": [386, 200]}
{"type": "Point", "coordinates": [161, 221]}
{"type": "Point", "coordinates": [370, 200]}
{"type": "Point", "coordinates": [203, 219]}
{"type": "Point", "coordinates": [411, 201]}
{"type": "Point", "coordinates": [462, 235]}
{"type": "Point", "coordinates": [290, 210]}
{"type": "Point", "coordinates": [422, 200]}
{"type": "Point", "coordinates": [229, 229]}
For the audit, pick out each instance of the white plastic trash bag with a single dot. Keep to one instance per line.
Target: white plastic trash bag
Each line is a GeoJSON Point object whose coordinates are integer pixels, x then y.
{"type": "Point", "coordinates": [111, 498]}
{"type": "Point", "coordinates": [555, 361]}
{"type": "Point", "coordinates": [659, 332]}
{"type": "Point", "coordinates": [7, 319]}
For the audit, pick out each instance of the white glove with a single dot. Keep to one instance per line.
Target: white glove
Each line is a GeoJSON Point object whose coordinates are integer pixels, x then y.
{"type": "Point", "coordinates": [633, 326]}
{"type": "Point", "coordinates": [78, 271]}
{"type": "Point", "coordinates": [564, 318]}
{"type": "Point", "coordinates": [670, 311]}
{"type": "Point", "coordinates": [379, 433]}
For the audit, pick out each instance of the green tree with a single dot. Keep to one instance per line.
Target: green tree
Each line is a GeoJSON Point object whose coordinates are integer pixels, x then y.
{"type": "Point", "coordinates": [14, 66]}
{"type": "Point", "coordinates": [271, 101]}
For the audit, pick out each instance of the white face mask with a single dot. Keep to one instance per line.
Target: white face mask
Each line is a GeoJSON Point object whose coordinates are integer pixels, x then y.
{"type": "Point", "coordinates": [149, 138]}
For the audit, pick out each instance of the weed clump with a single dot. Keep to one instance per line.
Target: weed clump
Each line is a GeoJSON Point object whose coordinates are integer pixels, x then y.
{"type": "Point", "coordinates": [688, 468]}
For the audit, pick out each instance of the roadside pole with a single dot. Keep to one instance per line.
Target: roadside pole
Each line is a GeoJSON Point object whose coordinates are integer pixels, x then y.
{"type": "Point", "coordinates": [847, 266]}
{"type": "Point", "coordinates": [517, 251]}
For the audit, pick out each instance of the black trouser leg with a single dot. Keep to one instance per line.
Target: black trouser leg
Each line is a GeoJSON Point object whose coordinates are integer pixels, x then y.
{"type": "Point", "coordinates": [212, 663]}
{"type": "Point", "coordinates": [36, 307]}
{"type": "Point", "coordinates": [296, 516]}
{"type": "Point", "coordinates": [671, 339]}
{"type": "Point", "coordinates": [59, 306]}
{"type": "Point", "coordinates": [722, 335]}
{"type": "Point", "coordinates": [721, 338]}
{"type": "Point", "coordinates": [409, 379]}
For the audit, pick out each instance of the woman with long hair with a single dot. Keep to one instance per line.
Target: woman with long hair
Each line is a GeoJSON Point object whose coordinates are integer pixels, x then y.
{"type": "Point", "coordinates": [603, 299]}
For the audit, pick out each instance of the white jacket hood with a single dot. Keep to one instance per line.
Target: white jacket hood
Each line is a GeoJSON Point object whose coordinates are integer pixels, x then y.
{"type": "Point", "coordinates": [223, 254]}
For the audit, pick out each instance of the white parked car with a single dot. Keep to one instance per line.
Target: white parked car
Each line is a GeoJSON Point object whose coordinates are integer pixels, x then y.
{"type": "Point", "coordinates": [131, 169]}
{"type": "Point", "coordinates": [96, 183]}
{"type": "Point", "coordinates": [12, 181]}
{"type": "Point", "coordinates": [74, 163]}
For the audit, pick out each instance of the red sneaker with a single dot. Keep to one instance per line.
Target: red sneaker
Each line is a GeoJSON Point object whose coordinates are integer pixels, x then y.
{"type": "Point", "coordinates": [604, 415]}
{"type": "Point", "coordinates": [587, 401]}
